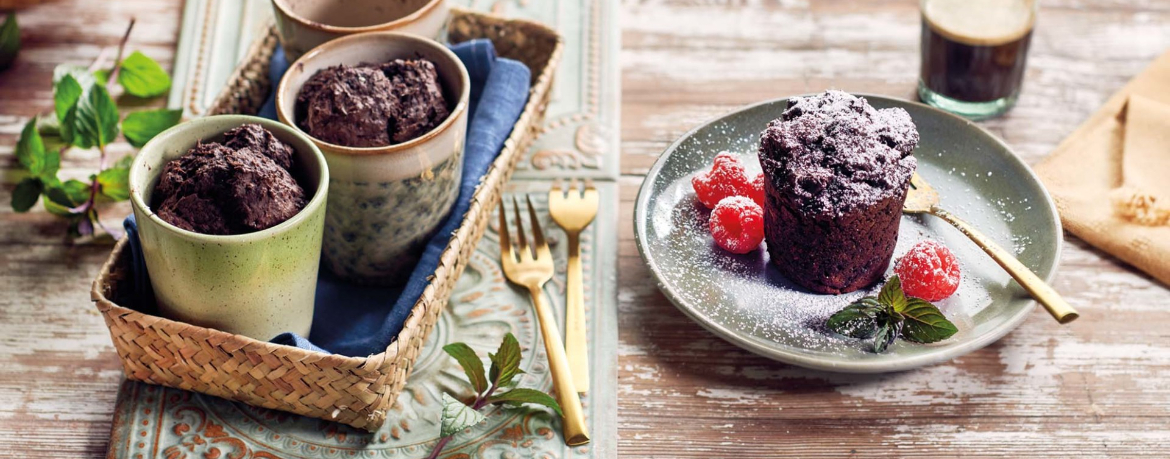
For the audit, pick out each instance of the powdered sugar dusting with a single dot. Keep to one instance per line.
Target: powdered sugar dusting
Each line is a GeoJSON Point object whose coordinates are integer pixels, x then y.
{"type": "Point", "coordinates": [747, 294]}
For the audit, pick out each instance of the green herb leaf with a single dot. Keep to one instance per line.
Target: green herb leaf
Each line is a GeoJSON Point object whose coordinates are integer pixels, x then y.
{"type": "Point", "coordinates": [141, 76]}
{"type": "Point", "coordinates": [139, 127]}
{"type": "Point", "coordinates": [101, 76]}
{"type": "Point", "coordinates": [50, 130]}
{"type": "Point", "coordinates": [506, 361]}
{"type": "Point", "coordinates": [471, 364]}
{"type": "Point", "coordinates": [96, 121]}
{"type": "Point", "coordinates": [925, 323]}
{"type": "Point", "coordinates": [66, 92]}
{"type": "Point", "coordinates": [26, 193]}
{"type": "Point", "coordinates": [30, 149]}
{"type": "Point", "coordinates": [892, 294]}
{"type": "Point", "coordinates": [61, 199]}
{"type": "Point", "coordinates": [858, 320]}
{"type": "Point", "coordinates": [457, 416]}
{"type": "Point", "coordinates": [79, 73]}
{"type": "Point", "coordinates": [115, 183]}
{"type": "Point", "coordinates": [9, 41]}
{"type": "Point", "coordinates": [520, 396]}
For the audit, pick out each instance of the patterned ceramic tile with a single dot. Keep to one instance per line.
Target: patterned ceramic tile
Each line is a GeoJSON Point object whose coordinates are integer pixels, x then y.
{"type": "Point", "coordinates": [153, 421]}
{"type": "Point", "coordinates": [581, 132]}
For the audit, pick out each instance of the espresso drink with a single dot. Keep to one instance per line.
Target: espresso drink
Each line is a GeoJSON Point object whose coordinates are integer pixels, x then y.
{"type": "Point", "coordinates": [975, 50]}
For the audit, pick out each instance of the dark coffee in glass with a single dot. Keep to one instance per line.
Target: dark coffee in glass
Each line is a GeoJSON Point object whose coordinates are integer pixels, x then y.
{"type": "Point", "coordinates": [974, 53]}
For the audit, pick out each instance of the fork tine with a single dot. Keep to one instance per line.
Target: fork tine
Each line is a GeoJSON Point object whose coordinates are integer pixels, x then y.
{"type": "Point", "coordinates": [556, 186]}
{"type": "Point", "coordinates": [521, 237]}
{"type": "Point", "coordinates": [589, 184]}
{"type": "Point", "coordinates": [505, 239]}
{"type": "Point", "coordinates": [573, 190]}
{"type": "Point", "coordinates": [538, 242]}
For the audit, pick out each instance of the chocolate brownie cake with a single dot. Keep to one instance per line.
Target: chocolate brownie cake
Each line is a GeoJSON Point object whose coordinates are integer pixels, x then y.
{"type": "Point", "coordinates": [372, 105]}
{"type": "Point", "coordinates": [240, 186]}
{"type": "Point", "coordinates": [836, 174]}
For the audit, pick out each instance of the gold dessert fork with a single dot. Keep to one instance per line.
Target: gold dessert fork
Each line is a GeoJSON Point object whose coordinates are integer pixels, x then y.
{"type": "Point", "coordinates": [574, 212]}
{"type": "Point", "coordinates": [531, 267]}
{"type": "Point", "coordinates": [923, 199]}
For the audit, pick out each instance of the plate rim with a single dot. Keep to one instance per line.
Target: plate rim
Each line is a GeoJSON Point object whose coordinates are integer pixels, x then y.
{"type": "Point", "coordinates": [641, 205]}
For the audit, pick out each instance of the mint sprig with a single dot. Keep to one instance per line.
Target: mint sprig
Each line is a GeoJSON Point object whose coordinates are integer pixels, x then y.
{"type": "Point", "coordinates": [890, 315]}
{"type": "Point", "coordinates": [85, 115]}
{"type": "Point", "coordinates": [459, 416]}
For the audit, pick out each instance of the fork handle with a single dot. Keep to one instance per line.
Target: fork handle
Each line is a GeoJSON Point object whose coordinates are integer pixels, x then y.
{"type": "Point", "coordinates": [574, 428]}
{"type": "Point", "coordinates": [1040, 290]}
{"type": "Point", "coordinates": [576, 345]}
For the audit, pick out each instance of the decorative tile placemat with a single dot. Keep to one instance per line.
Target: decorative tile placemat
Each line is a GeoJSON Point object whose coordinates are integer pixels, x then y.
{"type": "Point", "coordinates": [580, 138]}
{"type": "Point", "coordinates": [153, 421]}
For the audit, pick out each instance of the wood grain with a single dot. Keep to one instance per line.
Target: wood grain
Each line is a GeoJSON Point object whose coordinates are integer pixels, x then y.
{"type": "Point", "coordinates": [1099, 387]}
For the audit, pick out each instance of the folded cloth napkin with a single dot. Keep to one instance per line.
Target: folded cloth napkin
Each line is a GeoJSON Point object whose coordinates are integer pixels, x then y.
{"type": "Point", "coordinates": [358, 320]}
{"type": "Point", "coordinates": [1110, 177]}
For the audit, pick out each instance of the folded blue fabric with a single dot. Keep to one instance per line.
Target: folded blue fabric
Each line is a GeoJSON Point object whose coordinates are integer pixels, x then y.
{"type": "Point", "coordinates": [357, 320]}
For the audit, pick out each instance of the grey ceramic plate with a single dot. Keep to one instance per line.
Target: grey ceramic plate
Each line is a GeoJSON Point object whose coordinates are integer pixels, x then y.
{"type": "Point", "coordinates": [745, 300]}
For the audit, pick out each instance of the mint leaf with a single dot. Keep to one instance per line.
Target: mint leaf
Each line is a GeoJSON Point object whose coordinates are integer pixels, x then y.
{"type": "Point", "coordinates": [61, 199]}
{"type": "Point", "coordinates": [892, 294]}
{"type": "Point", "coordinates": [884, 338]}
{"type": "Point", "coordinates": [66, 92]}
{"type": "Point", "coordinates": [96, 120]}
{"type": "Point", "coordinates": [925, 323]}
{"type": "Point", "coordinates": [520, 396]}
{"type": "Point", "coordinates": [102, 76]}
{"type": "Point", "coordinates": [26, 193]}
{"type": "Point", "coordinates": [141, 76]}
{"type": "Point", "coordinates": [9, 41]}
{"type": "Point", "coordinates": [115, 183]}
{"type": "Point", "coordinates": [506, 361]}
{"type": "Point", "coordinates": [858, 320]}
{"type": "Point", "coordinates": [139, 127]}
{"type": "Point", "coordinates": [30, 149]}
{"type": "Point", "coordinates": [457, 416]}
{"type": "Point", "coordinates": [470, 363]}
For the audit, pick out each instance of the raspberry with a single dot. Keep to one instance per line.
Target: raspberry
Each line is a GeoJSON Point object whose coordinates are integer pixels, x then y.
{"type": "Point", "coordinates": [737, 224]}
{"type": "Point", "coordinates": [726, 178]}
{"type": "Point", "coordinates": [928, 271]}
{"type": "Point", "coordinates": [757, 190]}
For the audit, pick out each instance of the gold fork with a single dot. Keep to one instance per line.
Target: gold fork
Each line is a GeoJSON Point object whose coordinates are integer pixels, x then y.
{"type": "Point", "coordinates": [574, 212]}
{"type": "Point", "coordinates": [531, 267]}
{"type": "Point", "coordinates": [923, 199]}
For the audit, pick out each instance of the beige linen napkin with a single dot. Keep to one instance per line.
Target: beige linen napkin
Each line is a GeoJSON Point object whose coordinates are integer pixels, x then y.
{"type": "Point", "coordinates": [1111, 177]}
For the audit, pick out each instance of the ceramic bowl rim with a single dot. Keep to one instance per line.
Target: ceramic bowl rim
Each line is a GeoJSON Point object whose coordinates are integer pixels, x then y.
{"type": "Point", "coordinates": [384, 26]}
{"type": "Point", "coordinates": [283, 91]}
{"type": "Point", "coordinates": [182, 129]}
{"type": "Point", "coordinates": [641, 207]}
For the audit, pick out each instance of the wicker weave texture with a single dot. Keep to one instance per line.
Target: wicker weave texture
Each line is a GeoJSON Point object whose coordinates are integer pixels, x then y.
{"type": "Point", "coordinates": [351, 390]}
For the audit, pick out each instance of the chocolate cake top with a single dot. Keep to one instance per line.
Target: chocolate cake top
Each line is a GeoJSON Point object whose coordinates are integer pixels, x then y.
{"type": "Point", "coordinates": [237, 188]}
{"type": "Point", "coordinates": [833, 152]}
{"type": "Point", "coordinates": [372, 105]}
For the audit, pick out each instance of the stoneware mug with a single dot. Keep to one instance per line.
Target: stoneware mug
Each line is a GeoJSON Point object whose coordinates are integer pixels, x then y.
{"type": "Point", "coordinates": [385, 202]}
{"type": "Point", "coordinates": [257, 284]}
{"type": "Point", "coordinates": [305, 24]}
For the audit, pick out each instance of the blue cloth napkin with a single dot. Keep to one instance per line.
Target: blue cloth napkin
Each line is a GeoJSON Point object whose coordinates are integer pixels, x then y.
{"type": "Point", "coordinates": [357, 320]}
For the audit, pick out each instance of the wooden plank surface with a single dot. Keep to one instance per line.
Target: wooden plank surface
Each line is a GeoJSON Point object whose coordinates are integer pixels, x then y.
{"type": "Point", "coordinates": [1099, 387]}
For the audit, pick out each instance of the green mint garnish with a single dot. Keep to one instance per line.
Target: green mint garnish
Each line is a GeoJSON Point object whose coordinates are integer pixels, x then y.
{"type": "Point", "coordinates": [889, 315]}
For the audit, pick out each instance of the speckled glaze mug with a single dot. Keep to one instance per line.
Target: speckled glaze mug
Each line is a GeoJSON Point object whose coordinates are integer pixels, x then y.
{"type": "Point", "coordinates": [385, 202]}
{"type": "Point", "coordinates": [257, 284]}
{"type": "Point", "coordinates": [305, 24]}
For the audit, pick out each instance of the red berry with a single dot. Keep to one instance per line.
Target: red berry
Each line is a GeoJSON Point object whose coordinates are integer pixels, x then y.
{"type": "Point", "coordinates": [737, 224]}
{"type": "Point", "coordinates": [928, 271]}
{"type": "Point", "coordinates": [726, 178]}
{"type": "Point", "coordinates": [757, 190]}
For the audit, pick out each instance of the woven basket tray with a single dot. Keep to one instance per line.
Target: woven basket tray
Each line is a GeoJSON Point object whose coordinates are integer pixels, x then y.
{"type": "Point", "coordinates": [352, 390]}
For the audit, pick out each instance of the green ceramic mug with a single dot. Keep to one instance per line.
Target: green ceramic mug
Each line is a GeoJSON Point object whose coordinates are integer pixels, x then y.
{"type": "Point", "coordinates": [256, 284]}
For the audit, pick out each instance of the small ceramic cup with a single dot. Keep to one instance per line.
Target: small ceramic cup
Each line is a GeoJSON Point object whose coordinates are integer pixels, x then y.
{"type": "Point", "coordinates": [257, 284]}
{"type": "Point", "coordinates": [305, 24]}
{"type": "Point", "coordinates": [385, 202]}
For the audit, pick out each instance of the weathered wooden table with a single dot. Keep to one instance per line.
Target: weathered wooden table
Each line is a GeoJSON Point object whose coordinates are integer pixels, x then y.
{"type": "Point", "coordinates": [1099, 387]}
